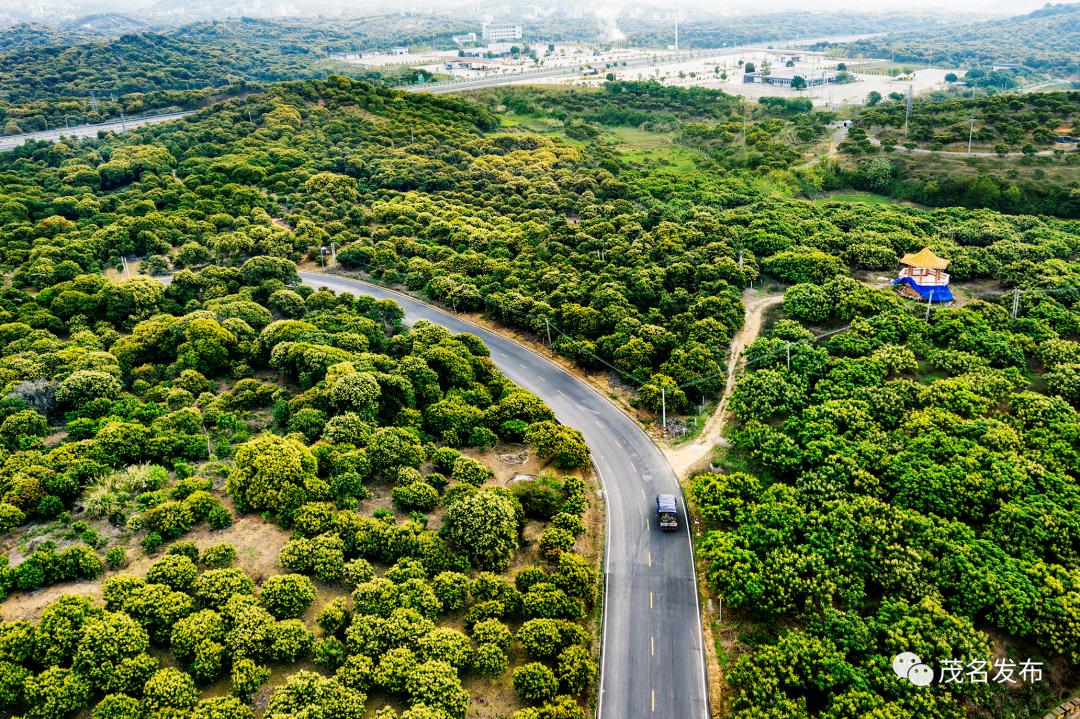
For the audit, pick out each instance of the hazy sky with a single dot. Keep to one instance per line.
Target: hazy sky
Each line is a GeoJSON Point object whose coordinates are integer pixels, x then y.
{"type": "Point", "coordinates": [75, 8]}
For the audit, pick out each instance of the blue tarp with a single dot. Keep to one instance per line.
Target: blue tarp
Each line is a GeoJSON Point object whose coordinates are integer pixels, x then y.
{"type": "Point", "coordinates": [665, 503]}
{"type": "Point", "coordinates": [937, 293]}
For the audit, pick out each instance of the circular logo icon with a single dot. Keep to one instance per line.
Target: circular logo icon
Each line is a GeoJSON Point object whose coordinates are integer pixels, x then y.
{"type": "Point", "coordinates": [920, 675]}
{"type": "Point", "coordinates": [903, 662]}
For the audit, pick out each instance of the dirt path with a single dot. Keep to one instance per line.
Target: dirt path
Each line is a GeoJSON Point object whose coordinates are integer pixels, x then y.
{"type": "Point", "coordinates": [686, 457]}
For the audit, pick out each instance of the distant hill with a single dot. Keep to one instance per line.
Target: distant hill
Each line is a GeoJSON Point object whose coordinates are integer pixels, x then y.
{"type": "Point", "coordinates": [47, 81]}
{"type": "Point", "coordinates": [26, 36]}
{"type": "Point", "coordinates": [1046, 39]}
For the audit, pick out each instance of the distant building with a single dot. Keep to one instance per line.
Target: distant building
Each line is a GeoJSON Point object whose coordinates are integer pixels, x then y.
{"type": "Point", "coordinates": [398, 51]}
{"type": "Point", "coordinates": [490, 51]}
{"type": "Point", "coordinates": [923, 277]}
{"type": "Point", "coordinates": [784, 76]}
{"type": "Point", "coordinates": [466, 39]}
{"type": "Point", "coordinates": [501, 32]}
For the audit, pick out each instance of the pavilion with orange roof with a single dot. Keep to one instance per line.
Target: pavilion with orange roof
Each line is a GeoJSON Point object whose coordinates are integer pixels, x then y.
{"type": "Point", "coordinates": [923, 277]}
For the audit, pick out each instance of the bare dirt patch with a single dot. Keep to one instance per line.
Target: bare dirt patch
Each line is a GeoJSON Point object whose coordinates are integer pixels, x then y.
{"type": "Point", "coordinates": [257, 541]}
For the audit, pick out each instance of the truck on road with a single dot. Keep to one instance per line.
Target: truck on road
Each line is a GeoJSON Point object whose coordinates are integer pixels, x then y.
{"type": "Point", "coordinates": [667, 512]}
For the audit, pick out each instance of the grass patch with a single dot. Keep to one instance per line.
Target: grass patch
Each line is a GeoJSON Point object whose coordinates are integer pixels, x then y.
{"type": "Point", "coordinates": [868, 198]}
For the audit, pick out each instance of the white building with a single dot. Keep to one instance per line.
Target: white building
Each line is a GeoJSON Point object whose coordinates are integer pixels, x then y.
{"type": "Point", "coordinates": [501, 32]}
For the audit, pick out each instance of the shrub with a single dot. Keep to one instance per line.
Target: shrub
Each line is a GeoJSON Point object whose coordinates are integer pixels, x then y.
{"type": "Point", "coordinates": [222, 708]}
{"type": "Point", "coordinates": [151, 542]}
{"type": "Point", "coordinates": [117, 706]}
{"type": "Point", "coordinates": [115, 557]}
{"type": "Point", "coordinates": [10, 517]}
{"type": "Point", "coordinates": [334, 617]}
{"type": "Point", "coordinates": [484, 526]}
{"type": "Point", "coordinates": [569, 522]}
{"type": "Point", "coordinates": [185, 549]}
{"type": "Point", "coordinates": [540, 498]}
{"type": "Point", "coordinates": [169, 519]}
{"type": "Point", "coordinates": [490, 660]}
{"type": "Point", "coordinates": [394, 668]}
{"type": "Point", "coordinates": [443, 459]}
{"type": "Point", "coordinates": [289, 640]}
{"type": "Point", "coordinates": [471, 471]}
{"type": "Point", "coordinates": [80, 562]}
{"type": "Point", "coordinates": [247, 677]}
{"type": "Point", "coordinates": [576, 669]}
{"type": "Point", "coordinates": [452, 589]}
{"type": "Point", "coordinates": [435, 685]}
{"type": "Point", "coordinates": [540, 638]}
{"type": "Point", "coordinates": [446, 645]}
{"type": "Point", "coordinates": [201, 504]}
{"type": "Point", "coordinates": [296, 555]}
{"type": "Point", "coordinates": [329, 653]}
{"type": "Point", "coordinates": [492, 631]}
{"type": "Point", "coordinates": [107, 646]}
{"type": "Point", "coordinates": [287, 595]}
{"type": "Point", "coordinates": [174, 570]}
{"type": "Point", "coordinates": [555, 541]}
{"type": "Point", "coordinates": [418, 496]}
{"type": "Point", "coordinates": [219, 517]}
{"type": "Point", "coordinates": [535, 683]}
{"type": "Point", "coordinates": [214, 587]}
{"type": "Point", "coordinates": [193, 630]}
{"type": "Point", "coordinates": [170, 688]}
{"type": "Point", "coordinates": [358, 571]}
{"type": "Point", "coordinates": [565, 446]}
{"type": "Point", "coordinates": [56, 692]}
{"type": "Point", "coordinates": [218, 556]}
{"type": "Point", "coordinates": [272, 473]}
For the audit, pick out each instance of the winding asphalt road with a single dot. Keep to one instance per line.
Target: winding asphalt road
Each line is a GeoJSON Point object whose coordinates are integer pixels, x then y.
{"type": "Point", "coordinates": [652, 661]}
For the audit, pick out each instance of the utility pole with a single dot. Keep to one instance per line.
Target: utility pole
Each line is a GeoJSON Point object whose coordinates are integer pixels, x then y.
{"type": "Point", "coordinates": [971, 133]}
{"type": "Point", "coordinates": [663, 406]}
{"type": "Point", "coordinates": [676, 34]}
{"type": "Point", "coordinates": [789, 356]}
{"type": "Point", "coordinates": [547, 324]}
{"type": "Point", "coordinates": [1016, 302]}
{"type": "Point", "coordinates": [333, 252]}
{"type": "Point", "coordinates": [123, 120]}
{"type": "Point", "coordinates": [929, 300]}
{"type": "Point", "coordinates": [907, 111]}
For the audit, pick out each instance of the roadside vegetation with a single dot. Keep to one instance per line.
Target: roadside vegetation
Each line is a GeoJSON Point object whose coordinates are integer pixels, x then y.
{"type": "Point", "coordinates": [137, 416]}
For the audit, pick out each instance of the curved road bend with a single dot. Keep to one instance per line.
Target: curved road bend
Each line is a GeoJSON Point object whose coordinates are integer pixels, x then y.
{"type": "Point", "coordinates": [652, 664]}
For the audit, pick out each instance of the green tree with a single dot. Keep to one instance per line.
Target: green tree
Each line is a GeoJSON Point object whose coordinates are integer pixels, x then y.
{"type": "Point", "coordinates": [272, 473]}
{"type": "Point", "coordinates": [484, 526]}
{"type": "Point", "coordinates": [535, 683]}
{"type": "Point", "coordinates": [287, 595]}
